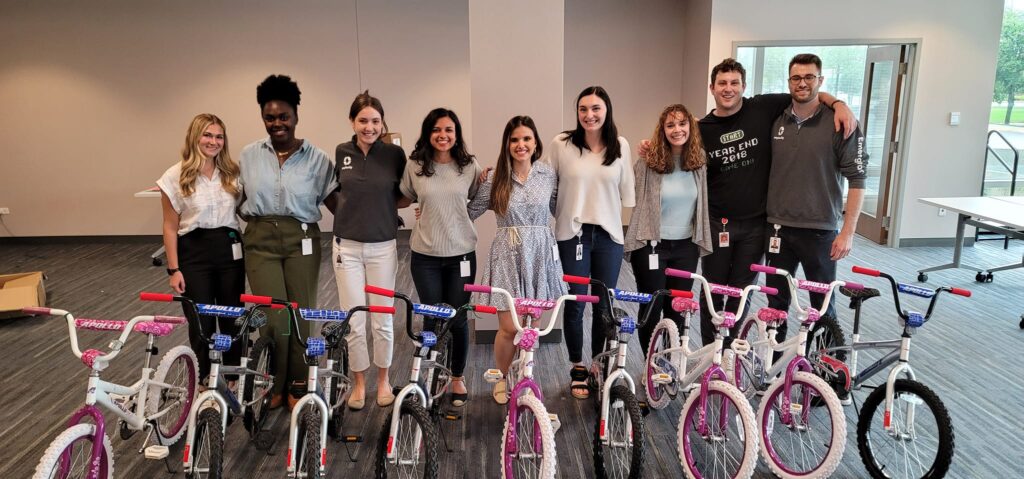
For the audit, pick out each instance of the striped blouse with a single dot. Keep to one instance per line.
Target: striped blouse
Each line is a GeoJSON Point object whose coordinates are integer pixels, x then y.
{"type": "Point", "coordinates": [444, 228]}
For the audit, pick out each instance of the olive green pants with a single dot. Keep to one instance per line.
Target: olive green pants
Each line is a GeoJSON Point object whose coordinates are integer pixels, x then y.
{"type": "Point", "coordinates": [276, 267]}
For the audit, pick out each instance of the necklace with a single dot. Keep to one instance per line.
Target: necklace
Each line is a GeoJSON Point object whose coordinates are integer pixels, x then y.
{"type": "Point", "coordinates": [284, 154]}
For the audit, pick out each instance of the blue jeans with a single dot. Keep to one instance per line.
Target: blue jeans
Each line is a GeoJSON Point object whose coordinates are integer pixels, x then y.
{"type": "Point", "coordinates": [804, 247]}
{"type": "Point", "coordinates": [602, 259]}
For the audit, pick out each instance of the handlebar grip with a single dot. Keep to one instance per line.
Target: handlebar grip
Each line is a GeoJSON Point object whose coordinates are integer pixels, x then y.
{"type": "Point", "coordinates": [768, 290]}
{"type": "Point", "coordinates": [381, 309]}
{"type": "Point", "coordinates": [677, 293]}
{"type": "Point", "coordinates": [252, 298]}
{"type": "Point", "coordinates": [169, 319]}
{"type": "Point", "coordinates": [961, 292]}
{"type": "Point", "coordinates": [678, 273]}
{"type": "Point", "coordinates": [587, 298]}
{"type": "Point", "coordinates": [166, 298]}
{"type": "Point", "coordinates": [36, 310]}
{"type": "Point", "coordinates": [477, 288]}
{"type": "Point", "coordinates": [761, 268]}
{"type": "Point", "coordinates": [854, 286]}
{"type": "Point", "coordinates": [481, 308]}
{"type": "Point", "coordinates": [867, 271]}
{"type": "Point", "coordinates": [379, 291]}
{"type": "Point", "coordinates": [568, 278]}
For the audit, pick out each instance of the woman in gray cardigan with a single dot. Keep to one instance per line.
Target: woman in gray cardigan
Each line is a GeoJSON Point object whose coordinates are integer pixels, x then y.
{"type": "Point", "coordinates": [669, 227]}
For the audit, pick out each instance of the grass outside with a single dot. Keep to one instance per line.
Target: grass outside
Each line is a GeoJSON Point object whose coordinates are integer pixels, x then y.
{"type": "Point", "coordinates": [998, 114]}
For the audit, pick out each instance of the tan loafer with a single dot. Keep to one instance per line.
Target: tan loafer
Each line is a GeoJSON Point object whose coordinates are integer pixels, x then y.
{"type": "Point", "coordinates": [385, 400]}
{"type": "Point", "coordinates": [356, 404]}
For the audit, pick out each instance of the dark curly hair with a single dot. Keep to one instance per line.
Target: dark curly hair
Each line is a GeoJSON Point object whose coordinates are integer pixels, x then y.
{"type": "Point", "coordinates": [278, 87]}
{"type": "Point", "coordinates": [423, 152]}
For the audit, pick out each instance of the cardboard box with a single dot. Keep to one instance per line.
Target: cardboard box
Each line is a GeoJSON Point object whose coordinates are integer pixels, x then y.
{"type": "Point", "coordinates": [21, 290]}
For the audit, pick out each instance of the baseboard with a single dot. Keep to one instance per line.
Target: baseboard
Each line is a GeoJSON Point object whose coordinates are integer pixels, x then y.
{"type": "Point", "coordinates": [487, 336]}
{"type": "Point", "coordinates": [48, 240]}
{"type": "Point", "coordinates": [912, 242]}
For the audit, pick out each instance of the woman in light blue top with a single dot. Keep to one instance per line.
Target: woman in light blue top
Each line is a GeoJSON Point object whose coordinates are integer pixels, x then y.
{"type": "Point", "coordinates": [284, 181]}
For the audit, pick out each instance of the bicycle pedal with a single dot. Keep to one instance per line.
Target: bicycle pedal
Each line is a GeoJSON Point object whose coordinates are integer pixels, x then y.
{"type": "Point", "coordinates": [661, 379]}
{"type": "Point", "coordinates": [555, 423]}
{"type": "Point", "coordinates": [156, 452]}
{"type": "Point", "coordinates": [452, 416]}
{"type": "Point", "coordinates": [645, 408]}
{"type": "Point", "coordinates": [493, 375]}
{"type": "Point", "coordinates": [351, 439]}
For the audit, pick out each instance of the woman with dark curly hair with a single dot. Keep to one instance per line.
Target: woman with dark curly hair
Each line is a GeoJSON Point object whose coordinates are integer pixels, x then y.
{"type": "Point", "coordinates": [284, 181]}
{"type": "Point", "coordinates": [442, 177]}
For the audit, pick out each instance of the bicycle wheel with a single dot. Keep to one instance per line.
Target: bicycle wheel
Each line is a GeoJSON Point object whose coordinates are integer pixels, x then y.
{"type": "Point", "coordinates": [827, 333]}
{"type": "Point", "coordinates": [749, 369]}
{"type": "Point", "coordinates": [308, 453]}
{"type": "Point", "coordinates": [729, 449]}
{"type": "Point", "coordinates": [412, 459]}
{"type": "Point", "coordinates": [69, 455]}
{"type": "Point", "coordinates": [179, 369]}
{"type": "Point", "coordinates": [664, 337]}
{"type": "Point", "coordinates": [534, 455]}
{"type": "Point", "coordinates": [812, 446]}
{"type": "Point", "coordinates": [257, 386]}
{"type": "Point", "coordinates": [921, 441]}
{"type": "Point", "coordinates": [207, 446]}
{"type": "Point", "coordinates": [339, 391]}
{"type": "Point", "coordinates": [623, 455]}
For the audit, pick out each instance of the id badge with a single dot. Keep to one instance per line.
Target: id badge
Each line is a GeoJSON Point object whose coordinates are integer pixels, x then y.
{"type": "Point", "coordinates": [652, 261]}
{"type": "Point", "coordinates": [554, 252]}
{"type": "Point", "coordinates": [307, 246]}
{"type": "Point", "coordinates": [236, 251]}
{"type": "Point", "coordinates": [774, 245]}
{"type": "Point", "coordinates": [464, 269]}
{"type": "Point", "coordinates": [579, 252]}
{"type": "Point", "coordinates": [723, 239]}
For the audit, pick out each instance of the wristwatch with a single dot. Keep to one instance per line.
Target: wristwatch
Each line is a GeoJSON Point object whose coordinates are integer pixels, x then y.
{"type": "Point", "coordinates": [171, 271]}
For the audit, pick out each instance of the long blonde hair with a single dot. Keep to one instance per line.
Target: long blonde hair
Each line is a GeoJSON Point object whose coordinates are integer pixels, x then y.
{"type": "Point", "coordinates": [659, 158]}
{"type": "Point", "coordinates": [192, 158]}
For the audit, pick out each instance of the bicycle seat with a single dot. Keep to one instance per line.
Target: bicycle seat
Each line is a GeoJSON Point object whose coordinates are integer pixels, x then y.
{"type": "Point", "coordinates": [856, 295]}
{"type": "Point", "coordinates": [146, 327]}
{"type": "Point", "coordinates": [772, 316]}
{"type": "Point", "coordinates": [685, 305]}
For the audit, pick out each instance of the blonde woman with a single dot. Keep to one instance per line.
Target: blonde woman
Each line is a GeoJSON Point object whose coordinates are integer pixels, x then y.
{"type": "Point", "coordinates": [199, 195]}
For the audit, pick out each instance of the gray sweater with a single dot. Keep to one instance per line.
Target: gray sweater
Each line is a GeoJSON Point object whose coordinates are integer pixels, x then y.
{"type": "Point", "coordinates": [809, 161]}
{"type": "Point", "coordinates": [645, 223]}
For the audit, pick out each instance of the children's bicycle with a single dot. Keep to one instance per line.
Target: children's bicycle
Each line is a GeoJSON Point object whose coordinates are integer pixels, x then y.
{"type": "Point", "coordinates": [408, 445]}
{"type": "Point", "coordinates": [903, 429]}
{"type": "Point", "coordinates": [157, 403]}
{"type": "Point", "coordinates": [214, 409]}
{"type": "Point", "coordinates": [528, 437]}
{"type": "Point", "coordinates": [717, 435]}
{"type": "Point", "coordinates": [802, 423]}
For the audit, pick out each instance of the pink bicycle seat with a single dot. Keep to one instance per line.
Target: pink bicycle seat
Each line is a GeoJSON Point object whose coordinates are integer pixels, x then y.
{"type": "Point", "coordinates": [527, 339]}
{"type": "Point", "coordinates": [812, 315]}
{"type": "Point", "coordinates": [90, 355]}
{"type": "Point", "coordinates": [155, 329]}
{"type": "Point", "coordinates": [685, 305]}
{"type": "Point", "coordinates": [146, 327]}
{"type": "Point", "coordinates": [728, 319]}
{"type": "Point", "coordinates": [772, 316]}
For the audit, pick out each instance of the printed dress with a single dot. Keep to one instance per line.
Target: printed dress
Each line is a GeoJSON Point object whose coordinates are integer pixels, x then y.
{"type": "Point", "coordinates": [523, 255]}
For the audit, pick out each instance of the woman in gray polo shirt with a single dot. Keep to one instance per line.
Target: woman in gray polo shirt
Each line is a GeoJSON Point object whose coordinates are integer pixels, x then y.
{"type": "Point", "coordinates": [442, 177]}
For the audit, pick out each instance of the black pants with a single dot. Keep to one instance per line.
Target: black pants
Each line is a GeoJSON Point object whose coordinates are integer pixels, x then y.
{"type": "Point", "coordinates": [679, 254]}
{"type": "Point", "coordinates": [212, 277]}
{"type": "Point", "coordinates": [730, 266]}
{"type": "Point", "coordinates": [804, 247]}
{"type": "Point", "coordinates": [439, 280]}
{"type": "Point", "coordinates": [602, 259]}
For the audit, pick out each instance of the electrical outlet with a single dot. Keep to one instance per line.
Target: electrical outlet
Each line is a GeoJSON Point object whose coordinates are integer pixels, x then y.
{"type": "Point", "coordinates": [942, 212]}
{"type": "Point", "coordinates": [5, 211]}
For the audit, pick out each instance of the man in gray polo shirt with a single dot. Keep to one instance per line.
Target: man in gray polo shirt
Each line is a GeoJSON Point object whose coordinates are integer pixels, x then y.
{"type": "Point", "coordinates": [805, 187]}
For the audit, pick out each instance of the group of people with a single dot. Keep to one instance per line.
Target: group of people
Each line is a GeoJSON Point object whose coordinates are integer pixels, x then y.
{"type": "Point", "coordinates": [755, 176]}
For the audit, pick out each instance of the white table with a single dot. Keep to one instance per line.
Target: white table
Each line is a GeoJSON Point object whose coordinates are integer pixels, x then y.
{"type": "Point", "coordinates": [1002, 214]}
{"type": "Point", "coordinates": [153, 192]}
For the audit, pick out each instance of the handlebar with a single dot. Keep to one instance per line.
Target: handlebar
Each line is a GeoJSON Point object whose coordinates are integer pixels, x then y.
{"type": "Point", "coordinates": [583, 298]}
{"type": "Point", "coordinates": [709, 288]}
{"type": "Point", "coordinates": [423, 309]}
{"type": "Point", "coordinates": [100, 361]}
{"type": "Point", "coordinates": [898, 287]}
{"type": "Point", "coordinates": [192, 311]}
{"type": "Point", "coordinates": [827, 289]}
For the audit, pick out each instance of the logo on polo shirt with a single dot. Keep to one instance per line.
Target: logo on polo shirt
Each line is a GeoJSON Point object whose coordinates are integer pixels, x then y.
{"type": "Point", "coordinates": [346, 163]}
{"type": "Point", "coordinates": [778, 136]}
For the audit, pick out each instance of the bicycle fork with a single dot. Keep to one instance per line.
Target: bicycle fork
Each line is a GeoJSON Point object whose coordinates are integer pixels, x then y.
{"type": "Point", "coordinates": [901, 367]}
{"type": "Point", "coordinates": [293, 431]}
{"type": "Point", "coordinates": [617, 372]}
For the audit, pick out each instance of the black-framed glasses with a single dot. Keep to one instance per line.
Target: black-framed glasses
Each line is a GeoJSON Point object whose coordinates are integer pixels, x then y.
{"type": "Point", "coordinates": [809, 78]}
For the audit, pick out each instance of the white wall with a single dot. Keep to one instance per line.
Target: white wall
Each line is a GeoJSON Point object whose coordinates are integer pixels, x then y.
{"type": "Point", "coordinates": [956, 70]}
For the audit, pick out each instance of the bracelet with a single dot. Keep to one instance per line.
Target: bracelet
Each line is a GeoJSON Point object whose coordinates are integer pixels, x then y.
{"type": "Point", "coordinates": [171, 271]}
{"type": "Point", "coordinates": [833, 105]}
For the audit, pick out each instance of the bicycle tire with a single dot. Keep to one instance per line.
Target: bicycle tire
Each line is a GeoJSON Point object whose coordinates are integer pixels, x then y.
{"type": "Point", "coordinates": [827, 333]}
{"type": "Point", "coordinates": [180, 368]}
{"type": "Point", "coordinates": [337, 416]}
{"type": "Point", "coordinates": [531, 412]}
{"type": "Point", "coordinates": [734, 400]}
{"type": "Point", "coordinates": [261, 359]}
{"type": "Point", "coordinates": [868, 422]}
{"type": "Point", "coordinates": [835, 441]}
{"type": "Point", "coordinates": [743, 379]}
{"type": "Point", "coordinates": [631, 455]}
{"type": "Point", "coordinates": [208, 432]}
{"type": "Point", "coordinates": [308, 446]}
{"type": "Point", "coordinates": [412, 414]}
{"type": "Point", "coordinates": [664, 337]}
{"type": "Point", "coordinates": [49, 464]}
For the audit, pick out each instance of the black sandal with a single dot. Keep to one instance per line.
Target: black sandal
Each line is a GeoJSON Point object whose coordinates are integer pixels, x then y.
{"type": "Point", "coordinates": [578, 387]}
{"type": "Point", "coordinates": [459, 399]}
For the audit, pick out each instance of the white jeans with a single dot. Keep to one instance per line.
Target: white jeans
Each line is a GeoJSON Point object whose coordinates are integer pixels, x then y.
{"type": "Point", "coordinates": [357, 264]}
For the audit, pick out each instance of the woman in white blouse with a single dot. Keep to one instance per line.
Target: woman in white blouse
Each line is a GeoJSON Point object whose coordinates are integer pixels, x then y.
{"type": "Point", "coordinates": [199, 195]}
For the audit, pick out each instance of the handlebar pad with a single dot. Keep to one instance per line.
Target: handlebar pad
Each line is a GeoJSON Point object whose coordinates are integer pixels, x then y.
{"type": "Point", "coordinates": [382, 309]}
{"type": "Point", "coordinates": [477, 288]}
{"type": "Point", "coordinates": [169, 319]}
{"type": "Point", "coordinates": [854, 286]}
{"type": "Point", "coordinates": [760, 268]}
{"type": "Point", "coordinates": [156, 297]}
{"type": "Point", "coordinates": [480, 308]}
{"type": "Point", "coordinates": [587, 298]}
{"type": "Point", "coordinates": [568, 278]}
{"type": "Point", "coordinates": [676, 293]}
{"type": "Point", "coordinates": [769, 290]}
{"type": "Point", "coordinates": [36, 310]}
{"type": "Point", "coordinates": [867, 271]}
{"type": "Point", "coordinates": [251, 298]}
{"type": "Point", "coordinates": [678, 273]}
{"type": "Point", "coordinates": [379, 291]}
{"type": "Point", "coordinates": [961, 292]}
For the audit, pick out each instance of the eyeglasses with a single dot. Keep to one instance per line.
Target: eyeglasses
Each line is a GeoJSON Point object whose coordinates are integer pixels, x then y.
{"type": "Point", "coordinates": [795, 79]}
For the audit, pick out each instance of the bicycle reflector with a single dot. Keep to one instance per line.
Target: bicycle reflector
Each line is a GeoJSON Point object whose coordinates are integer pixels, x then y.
{"type": "Point", "coordinates": [221, 342]}
{"type": "Point", "coordinates": [428, 338]}
{"type": "Point", "coordinates": [315, 347]}
{"type": "Point", "coordinates": [914, 319]}
{"type": "Point", "coordinates": [628, 325]}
